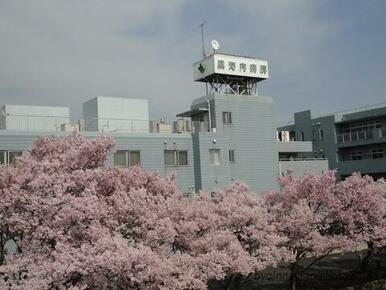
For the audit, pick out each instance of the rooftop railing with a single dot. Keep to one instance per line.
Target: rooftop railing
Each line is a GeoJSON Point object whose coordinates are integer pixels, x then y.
{"type": "Point", "coordinates": [92, 124]}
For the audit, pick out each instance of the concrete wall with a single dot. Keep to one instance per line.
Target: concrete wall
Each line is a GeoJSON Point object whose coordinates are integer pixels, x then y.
{"type": "Point", "coordinates": [295, 146]}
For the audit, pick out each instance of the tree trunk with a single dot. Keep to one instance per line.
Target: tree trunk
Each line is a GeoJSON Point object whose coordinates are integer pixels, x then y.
{"type": "Point", "coordinates": [292, 280]}
{"type": "Point", "coordinates": [366, 260]}
{"type": "Point", "coordinates": [2, 255]}
{"type": "Point", "coordinates": [236, 282]}
{"type": "Point", "coordinates": [233, 282]}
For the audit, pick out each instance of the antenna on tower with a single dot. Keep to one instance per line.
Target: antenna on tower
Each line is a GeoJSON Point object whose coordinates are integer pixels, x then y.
{"type": "Point", "coordinates": [202, 37]}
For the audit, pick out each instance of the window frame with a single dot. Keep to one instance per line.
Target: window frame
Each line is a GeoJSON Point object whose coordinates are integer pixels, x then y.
{"type": "Point", "coordinates": [321, 134]}
{"type": "Point", "coordinates": [377, 153]}
{"type": "Point", "coordinates": [227, 118]}
{"type": "Point", "coordinates": [130, 159]}
{"type": "Point", "coordinates": [212, 159]}
{"type": "Point", "coordinates": [176, 158]}
{"type": "Point", "coordinates": [232, 158]}
{"type": "Point", "coordinates": [5, 157]}
{"type": "Point", "coordinates": [127, 158]}
{"type": "Point", "coordinates": [356, 155]}
{"type": "Point", "coordinates": [17, 155]}
{"type": "Point", "coordinates": [185, 152]}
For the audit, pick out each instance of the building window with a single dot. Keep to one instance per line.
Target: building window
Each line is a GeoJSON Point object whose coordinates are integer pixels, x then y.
{"type": "Point", "coordinates": [302, 136]}
{"type": "Point", "coordinates": [356, 155]}
{"type": "Point", "coordinates": [231, 66]}
{"type": "Point", "coordinates": [263, 69]}
{"type": "Point", "coordinates": [252, 68]}
{"type": "Point", "coordinates": [321, 134]}
{"type": "Point", "coordinates": [243, 67]}
{"type": "Point", "coordinates": [182, 158]}
{"type": "Point", "coordinates": [220, 64]}
{"type": "Point", "coordinates": [214, 157]}
{"type": "Point", "coordinates": [176, 157]}
{"type": "Point", "coordinates": [377, 153]}
{"type": "Point", "coordinates": [313, 135]}
{"type": "Point", "coordinates": [227, 118]}
{"type": "Point", "coordinates": [124, 158]}
{"type": "Point", "coordinates": [3, 157]}
{"type": "Point", "coordinates": [120, 158]}
{"type": "Point", "coordinates": [170, 157]}
{"type": "Point", "coordinates": [232, 156]}
{"type": "Point", "coordinates": [13, 155]}
{"type": "Point", "coordinates": [135, 158]}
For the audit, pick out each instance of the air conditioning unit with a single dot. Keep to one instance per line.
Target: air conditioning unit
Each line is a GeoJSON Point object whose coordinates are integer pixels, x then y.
{"type": "Point", "coordinates": [70, 128]}
{"type": "Point", "coordinates": [285, 137]}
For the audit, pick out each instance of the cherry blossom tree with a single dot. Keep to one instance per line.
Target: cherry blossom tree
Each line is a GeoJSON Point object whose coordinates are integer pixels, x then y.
{"type": "Point", "coordinates": [231, 234]}
{"type": "Point", "coordinates": [79, 224]}
{"type": "Point", "coordinates": [6, 178]}
{"type": "Point", "coordinates": [360, 212]}
{"type": "Point", "coordinates": [302, 213]}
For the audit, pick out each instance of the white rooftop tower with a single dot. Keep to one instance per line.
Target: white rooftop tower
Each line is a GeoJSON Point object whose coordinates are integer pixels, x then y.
{"type": "Point", "coordinates": [230, 74]}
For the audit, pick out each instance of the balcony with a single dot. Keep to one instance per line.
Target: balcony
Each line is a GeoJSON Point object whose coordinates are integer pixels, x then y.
{"type": "Point", "coordinates": [362, 137]}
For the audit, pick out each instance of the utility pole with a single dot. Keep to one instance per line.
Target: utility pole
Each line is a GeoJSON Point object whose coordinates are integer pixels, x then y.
{"type": "Point", "coordinates": [202, 37]}
{"type": "Point", "coordinates": [201, 26]}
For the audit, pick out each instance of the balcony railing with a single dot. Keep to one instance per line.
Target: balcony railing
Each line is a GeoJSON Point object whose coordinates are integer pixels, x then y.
{"type": "Point", "coordinates": [372, 134]}
{"type": "Point", "coordinates": [301, 159]}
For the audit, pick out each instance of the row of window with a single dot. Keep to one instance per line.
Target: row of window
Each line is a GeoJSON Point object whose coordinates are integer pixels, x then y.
{"type": "Point", "coordinates": [371, 154]}
{"type": "Point", "coordinates": [9, 157]}
{"type": "Point", "coordinates": [363, 126]}
{"type": "Point", "coordinates": [126, 158]}
{"type": "Point", "coordinates": [231, 66]}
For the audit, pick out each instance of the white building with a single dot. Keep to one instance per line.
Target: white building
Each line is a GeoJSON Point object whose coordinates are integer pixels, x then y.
{"type": "Point", "coordinates": [33, 118]}
{"type": "Point", "coordinates": [107, 114]}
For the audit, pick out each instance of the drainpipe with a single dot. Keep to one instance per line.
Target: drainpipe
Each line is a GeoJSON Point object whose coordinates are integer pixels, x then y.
{"type": "Point", "coordinates": [209, 116]}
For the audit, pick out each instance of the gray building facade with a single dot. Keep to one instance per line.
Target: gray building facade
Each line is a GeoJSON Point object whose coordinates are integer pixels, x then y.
{"type": "Point", "coordinates": [240, 143]}
{"type": "Point", "coordinates": [352, 141]}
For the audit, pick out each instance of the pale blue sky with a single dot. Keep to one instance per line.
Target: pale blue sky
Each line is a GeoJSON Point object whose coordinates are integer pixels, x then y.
{"type": "Point", "coordinates": [325, 55]}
